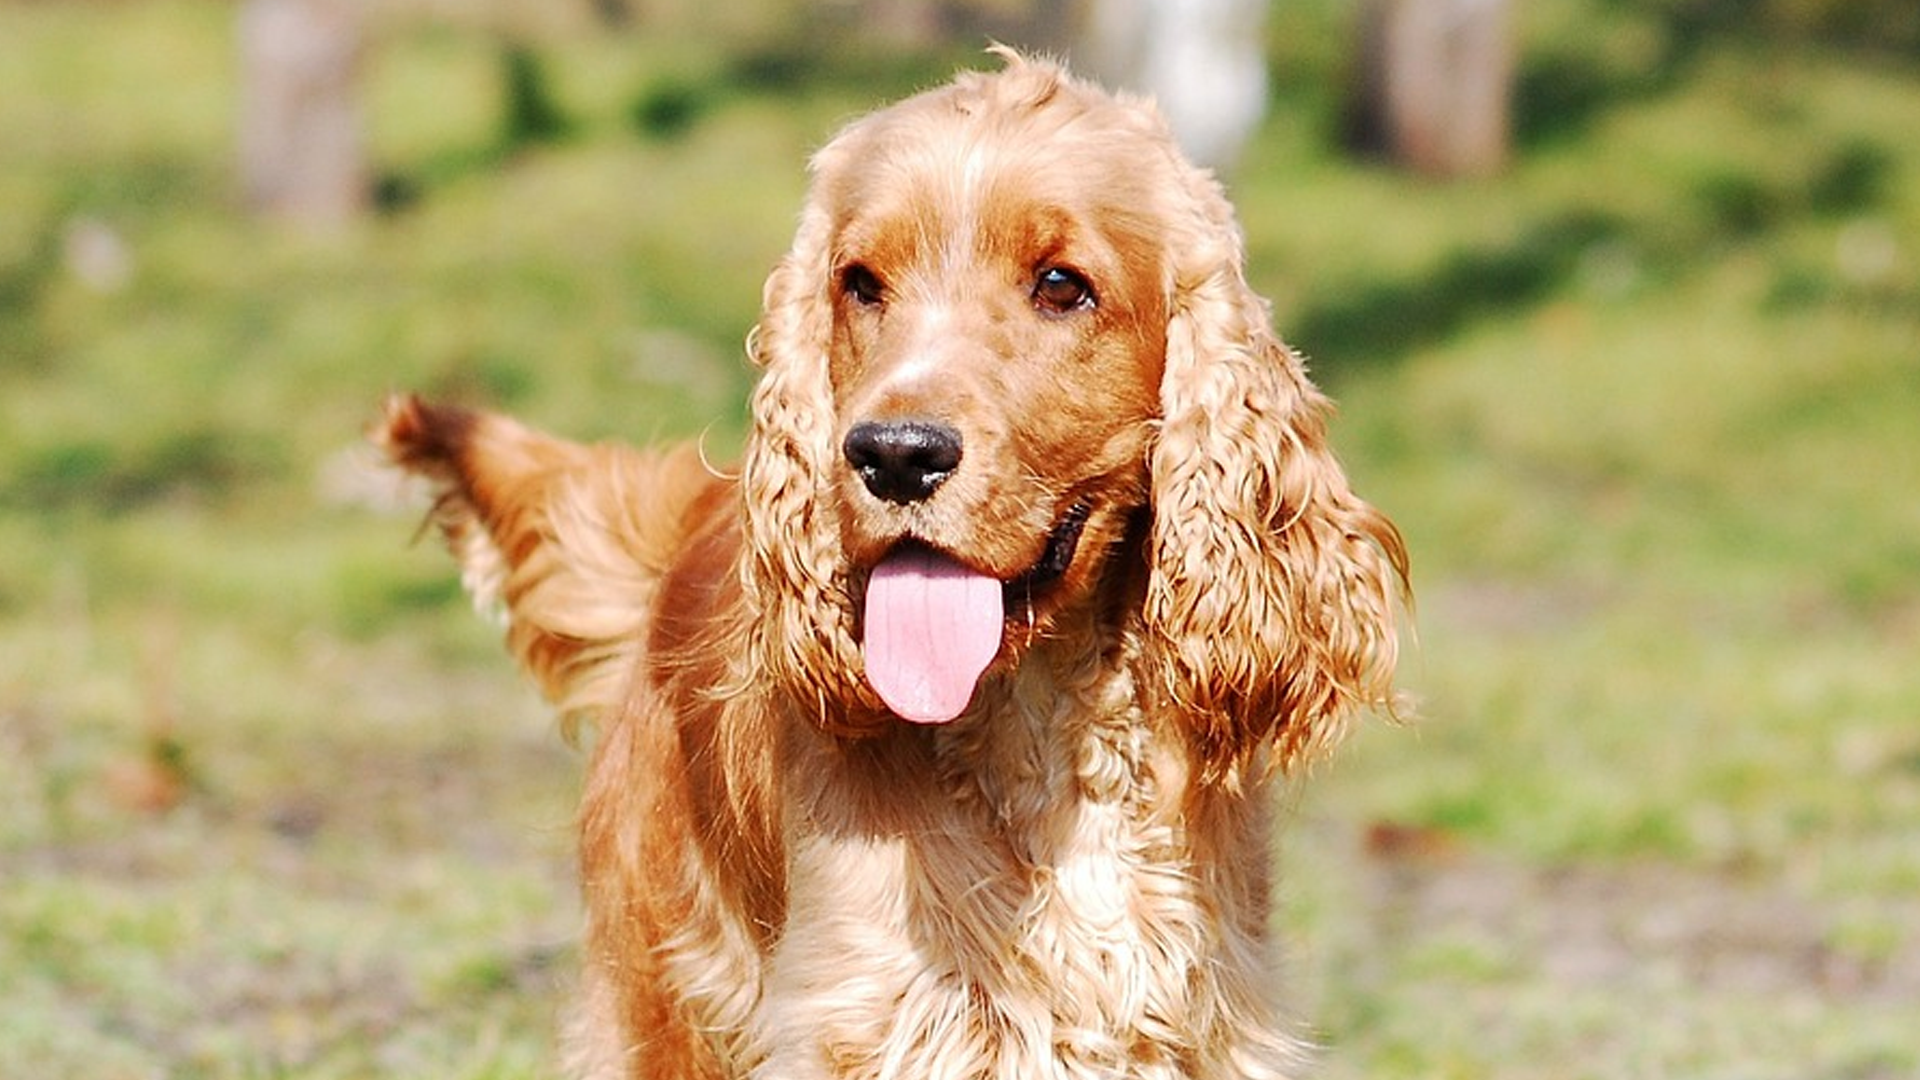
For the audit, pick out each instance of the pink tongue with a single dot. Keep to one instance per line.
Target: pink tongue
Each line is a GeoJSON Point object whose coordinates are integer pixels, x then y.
{"type": "Point", "coordinates": [932, 626]}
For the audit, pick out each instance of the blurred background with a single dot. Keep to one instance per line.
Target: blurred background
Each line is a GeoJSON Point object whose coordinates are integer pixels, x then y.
{"type": "Point", "coordinates": [1620, 298]}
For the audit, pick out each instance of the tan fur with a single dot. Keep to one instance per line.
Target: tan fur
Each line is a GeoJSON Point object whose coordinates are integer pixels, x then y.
{"type": "Point", "coordinates": [1069, 881]}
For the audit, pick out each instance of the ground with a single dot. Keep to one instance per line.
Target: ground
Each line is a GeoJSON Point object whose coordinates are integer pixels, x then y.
{"type": "Point", "coordinates": [276, 805]}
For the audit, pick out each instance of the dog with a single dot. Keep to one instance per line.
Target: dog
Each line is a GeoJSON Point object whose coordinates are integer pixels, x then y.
{"type": "Point", "coordinates": [940, 741]}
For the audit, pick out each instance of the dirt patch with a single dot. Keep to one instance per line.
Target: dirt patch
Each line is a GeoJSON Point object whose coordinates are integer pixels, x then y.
{"type": "Point", "coordinates": [1608, 925]}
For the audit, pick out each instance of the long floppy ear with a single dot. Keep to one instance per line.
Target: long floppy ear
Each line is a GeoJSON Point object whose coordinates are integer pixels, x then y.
{"type": "Point", "coordinates": [570, 539]}
{"type": "Point", "coordinates": [1273, 589]}
{"type": "Point", "coordinates": [801, 616]}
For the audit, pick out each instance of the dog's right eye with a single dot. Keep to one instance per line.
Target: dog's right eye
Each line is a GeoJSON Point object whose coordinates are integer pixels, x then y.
{"type": "Point", "coordinates": [863, 285]}
{"type": "Point", "coordinates": [1059, 291]}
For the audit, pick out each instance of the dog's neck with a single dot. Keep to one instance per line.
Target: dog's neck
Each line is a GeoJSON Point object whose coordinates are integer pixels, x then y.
{"type": "Point", "coordinates": [1049, 852]}
{"type": "Point", "coordinates": [1064, 729]}
{"type": "Point", "coordinates": [1061, 729]}
{"type": "Point", "coordinates": [1033, 890]}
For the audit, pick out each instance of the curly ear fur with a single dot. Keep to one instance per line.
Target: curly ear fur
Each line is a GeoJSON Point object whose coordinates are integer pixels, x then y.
{"type": "Point", "coordinates": [801, 619]}
{"type": "Point", "coordinates": [1271, 598]}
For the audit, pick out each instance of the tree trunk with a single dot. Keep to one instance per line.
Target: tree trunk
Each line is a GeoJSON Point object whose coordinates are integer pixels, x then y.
{"type": "Point", "coordinates": [1434, 87]}
{"type": "Point", "coordinates": [1202, 61]}
{"type": "Point", "coordinates": [301, 154]}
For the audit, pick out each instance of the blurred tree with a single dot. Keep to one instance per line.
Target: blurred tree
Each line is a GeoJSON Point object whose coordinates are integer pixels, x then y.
{"type": "Point", "coordinates": [1203, 61]}
{"type": "Point", "coordinates": [933, 25]}
{"type": "Point", "coordinates": [917, 24]}
{"type": "Point", "coordinates": [301, 151]}
{"type": "Point", "coordinates": [1433, 85]}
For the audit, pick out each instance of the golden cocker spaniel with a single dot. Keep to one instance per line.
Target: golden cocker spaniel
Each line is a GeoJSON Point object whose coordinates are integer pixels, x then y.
{"type": "Point", "coordinates": [937, 744]}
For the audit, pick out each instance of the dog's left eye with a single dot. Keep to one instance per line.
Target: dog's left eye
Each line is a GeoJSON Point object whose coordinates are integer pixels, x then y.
{"type": "Point", "coordinates": [863, 285]}
{"type": "Point", "coordinates": [1059, 290]}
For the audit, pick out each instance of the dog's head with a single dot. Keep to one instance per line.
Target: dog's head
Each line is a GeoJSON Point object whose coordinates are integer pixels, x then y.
{"type": "Point", "coordinates": [1012, 365]}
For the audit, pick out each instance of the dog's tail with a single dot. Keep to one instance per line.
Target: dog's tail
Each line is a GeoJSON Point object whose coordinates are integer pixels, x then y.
{"type": "Point", "coordinates": [568, 541]}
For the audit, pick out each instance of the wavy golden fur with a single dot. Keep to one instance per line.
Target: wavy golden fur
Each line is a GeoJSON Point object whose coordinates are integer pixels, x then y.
{"type": "Point", "coordinates": [1014, 331]}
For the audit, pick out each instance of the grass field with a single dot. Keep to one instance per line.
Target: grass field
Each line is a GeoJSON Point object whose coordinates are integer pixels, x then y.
{"type": "Point", "coordinates": [1647, 408]}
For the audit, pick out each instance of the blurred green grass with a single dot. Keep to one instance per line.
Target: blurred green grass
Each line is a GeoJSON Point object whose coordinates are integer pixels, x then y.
{"type": "Point", "coordinates": [1645, 407]}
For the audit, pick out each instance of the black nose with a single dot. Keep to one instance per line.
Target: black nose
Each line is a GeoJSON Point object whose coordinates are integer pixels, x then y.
{"type": "Point", "coordinates": [902, 461]}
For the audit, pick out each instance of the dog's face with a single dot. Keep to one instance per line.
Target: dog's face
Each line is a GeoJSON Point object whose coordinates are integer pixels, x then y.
{"type": "Point", "coordinates": [1014, 345]}
{"type": "Point", "coordinates": [999, 296]}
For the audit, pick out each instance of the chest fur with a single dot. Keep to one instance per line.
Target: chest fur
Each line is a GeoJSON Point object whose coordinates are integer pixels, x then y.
{"type": "Point", "coordinates": [1016, 897]}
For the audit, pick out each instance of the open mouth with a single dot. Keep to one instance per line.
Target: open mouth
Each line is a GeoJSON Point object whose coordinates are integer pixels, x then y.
{"type": "Point", "coordinates": [932, 625]}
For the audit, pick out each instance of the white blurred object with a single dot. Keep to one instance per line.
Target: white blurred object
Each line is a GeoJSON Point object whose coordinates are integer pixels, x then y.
{"type": "Point", "coordinates": [359, 476]}
{"type": "Point", "coordinates": [1867, 252]}
{"type": "Point", "coordinates": [1203, 61]}
{"type": "Point", "coordinates": [1436, 83]}
{"type": "Point", "coordinates": [301, 152]}
{"type": "Point", "coordinates": [96, 255]}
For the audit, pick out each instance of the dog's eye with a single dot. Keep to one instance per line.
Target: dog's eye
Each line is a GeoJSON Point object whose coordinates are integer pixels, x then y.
{"type": "Point", "coordinates": [863, 285]}
{"type": "Point", "coordinates": [1058, 290]}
